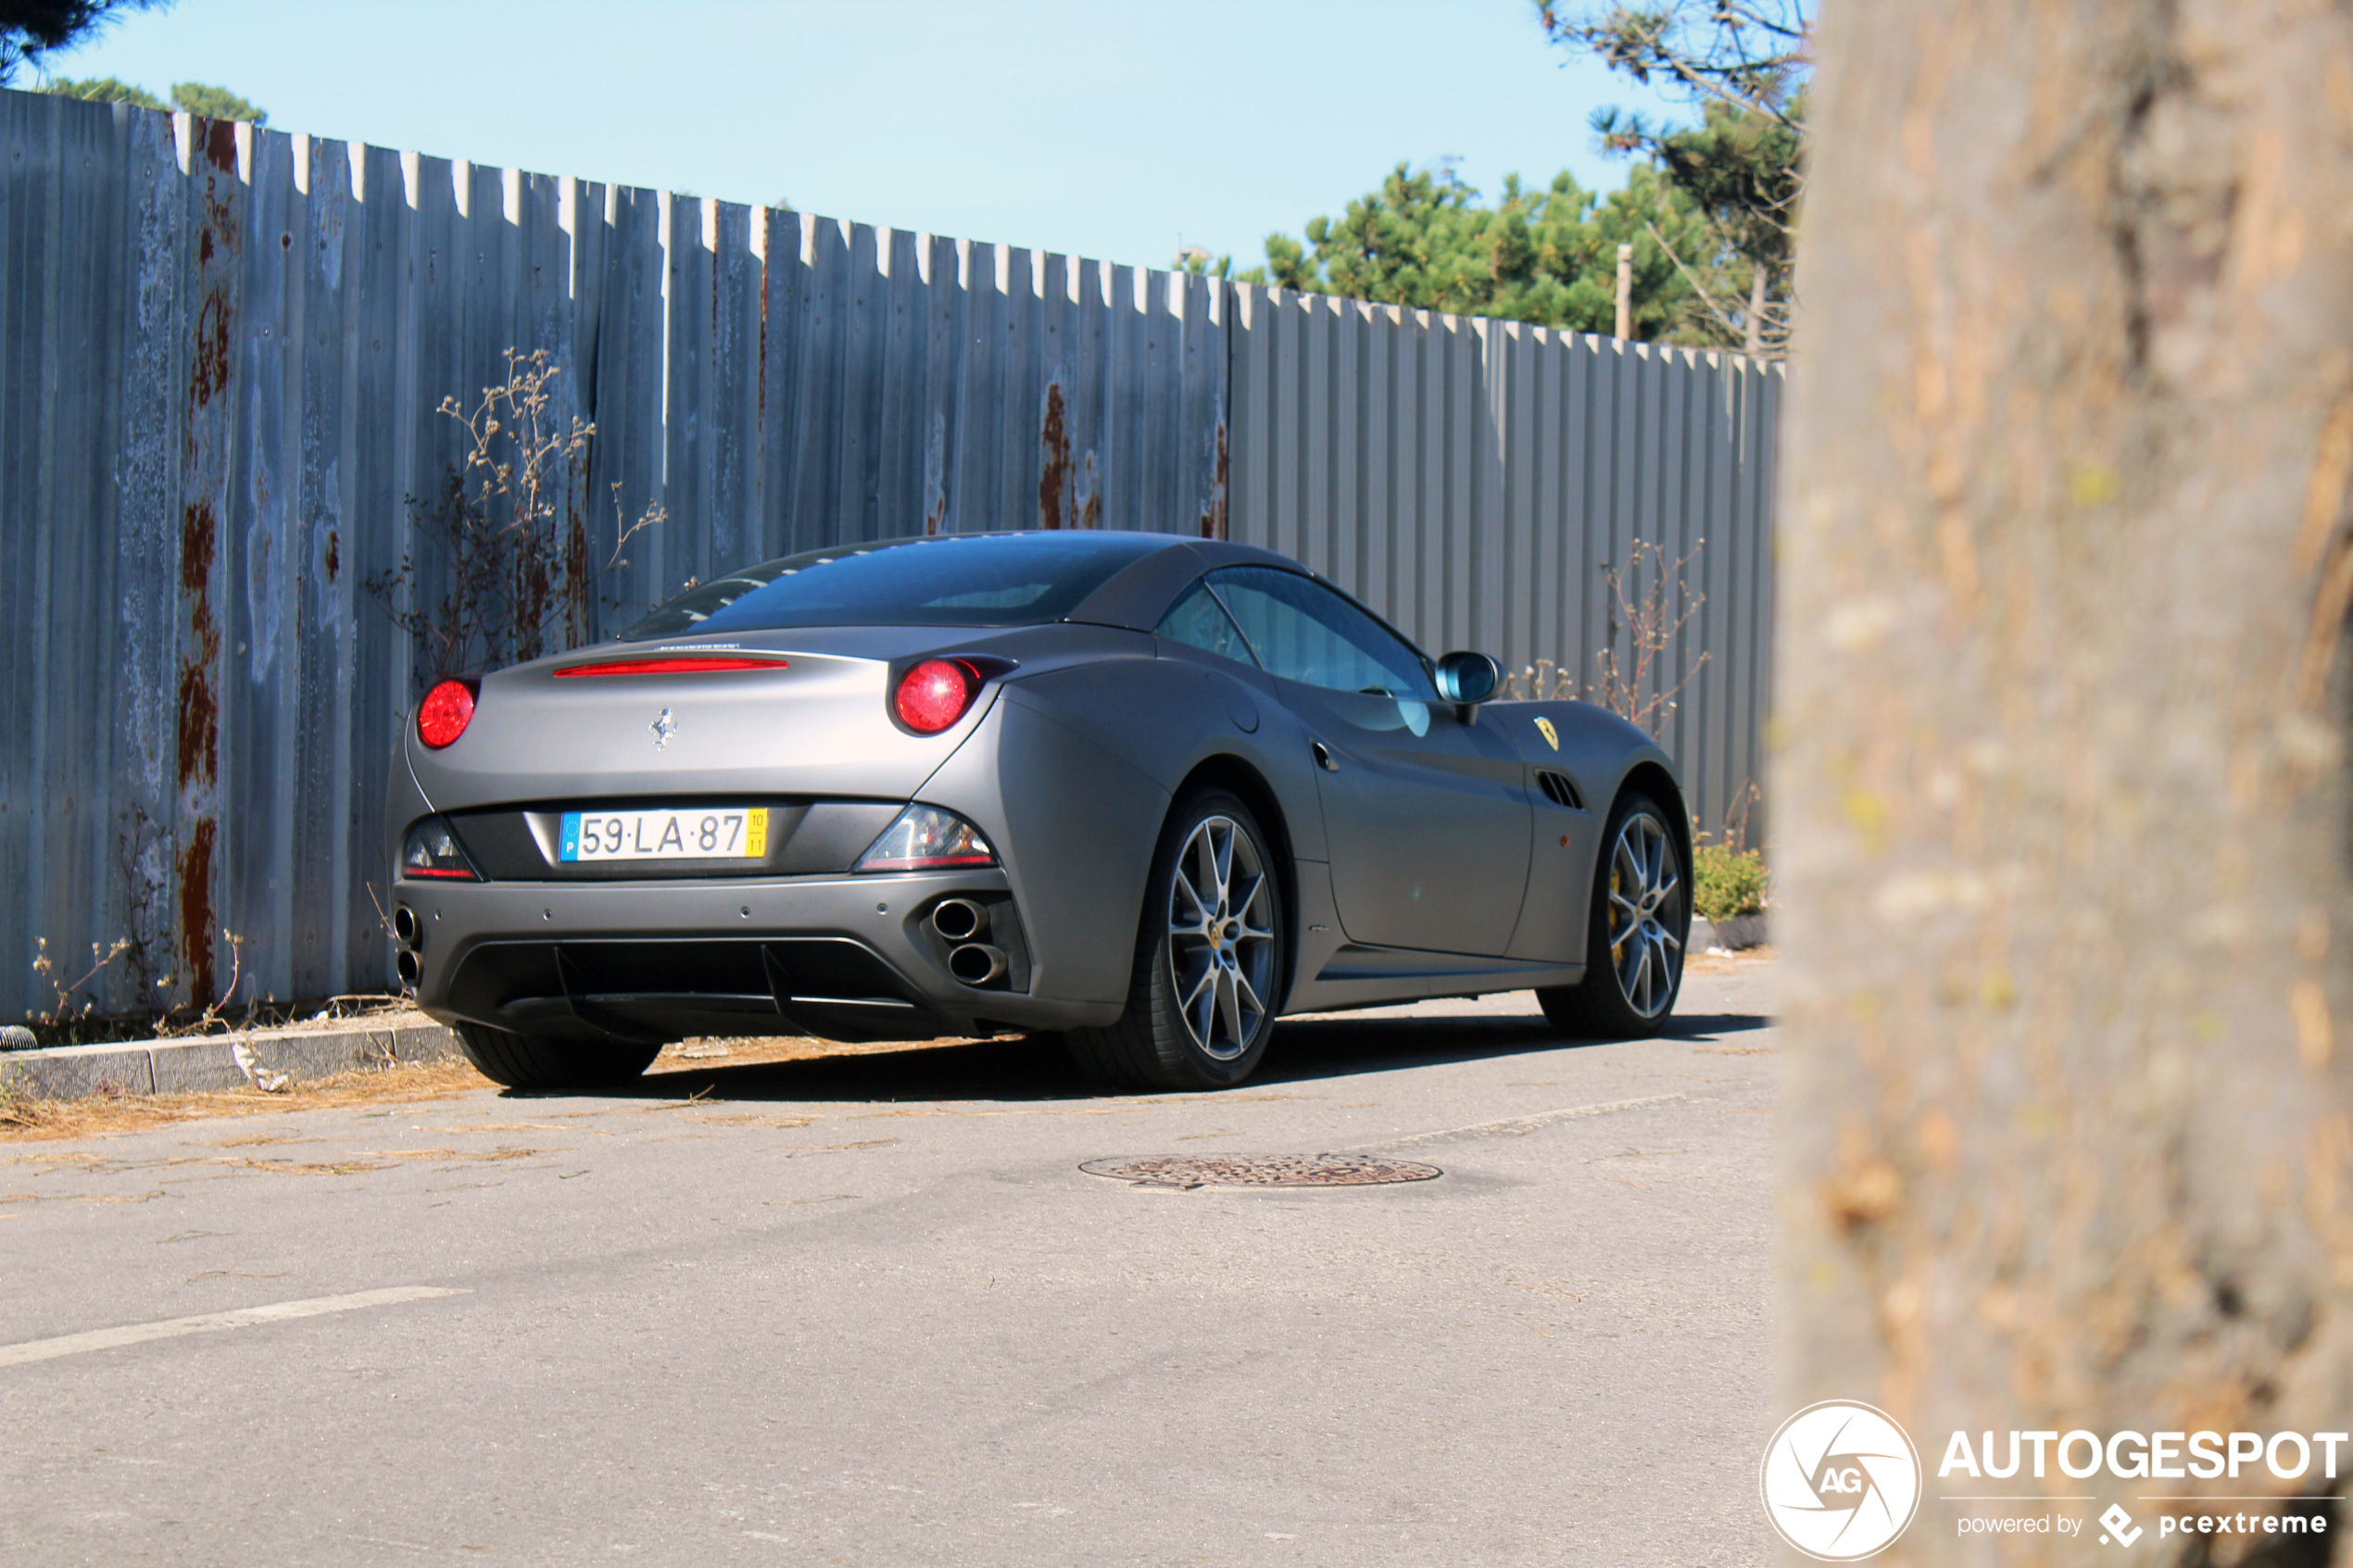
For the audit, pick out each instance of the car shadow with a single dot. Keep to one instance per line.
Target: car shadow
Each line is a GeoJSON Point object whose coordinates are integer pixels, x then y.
{"type": "Point", "coordinates": [1306, 1049]}
{"type": "Point", "coordinates": [1036, 1067]}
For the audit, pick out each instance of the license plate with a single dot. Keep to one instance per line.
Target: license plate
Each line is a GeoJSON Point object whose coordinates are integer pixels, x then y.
{"type": "Point", "coordinates": [704, 833]}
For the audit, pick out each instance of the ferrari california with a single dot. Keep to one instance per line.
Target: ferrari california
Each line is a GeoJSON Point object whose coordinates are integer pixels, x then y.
{"type": "Point", "coordinates": [1145, 793]}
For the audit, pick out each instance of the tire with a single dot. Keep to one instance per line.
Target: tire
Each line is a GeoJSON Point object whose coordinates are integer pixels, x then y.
{"type": "Point", "coordinates": [522, 1062]}
{"type": "Point", "coordinates": [1634, 942]}
{"type": "Point", "coordinates": [1224, 956]}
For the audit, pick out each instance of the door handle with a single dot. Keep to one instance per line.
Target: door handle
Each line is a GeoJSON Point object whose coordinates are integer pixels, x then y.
{"type": "Point", "coordinates": [1323, 757]}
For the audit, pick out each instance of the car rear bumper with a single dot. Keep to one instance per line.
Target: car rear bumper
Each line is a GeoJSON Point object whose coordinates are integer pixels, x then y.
{"type": "Point", "coordinates": [848, 958]}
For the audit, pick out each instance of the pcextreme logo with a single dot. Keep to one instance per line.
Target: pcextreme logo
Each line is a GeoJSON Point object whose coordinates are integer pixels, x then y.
{"type": "Point", "coordinates": [1840, 1480]}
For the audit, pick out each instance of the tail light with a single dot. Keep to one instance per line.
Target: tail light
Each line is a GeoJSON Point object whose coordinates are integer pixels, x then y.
{"type": "Point", "coordinates": [934, 695]}
{"type": "Point", "coordinates": [924, 838]}
{"type": "Point", "coordinates": [445, 713]}
{"type": "Point", "coordinates": [433, 852]}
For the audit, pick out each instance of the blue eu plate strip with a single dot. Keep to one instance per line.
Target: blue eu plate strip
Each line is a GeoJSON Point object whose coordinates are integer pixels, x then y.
{"type": "Point", "coordinates": [571, 848]}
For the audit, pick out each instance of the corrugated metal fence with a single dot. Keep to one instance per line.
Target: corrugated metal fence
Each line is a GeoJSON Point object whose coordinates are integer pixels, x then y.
{"type": "Point", "coordinates": [221, 355]}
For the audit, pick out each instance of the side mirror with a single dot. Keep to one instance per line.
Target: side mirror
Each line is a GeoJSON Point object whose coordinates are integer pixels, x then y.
{"type": "Point", "coordinates": [1467, 679]}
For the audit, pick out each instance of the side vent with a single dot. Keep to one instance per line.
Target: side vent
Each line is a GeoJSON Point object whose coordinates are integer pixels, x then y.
{"type": "Point", "coordinates": [1559, 790]}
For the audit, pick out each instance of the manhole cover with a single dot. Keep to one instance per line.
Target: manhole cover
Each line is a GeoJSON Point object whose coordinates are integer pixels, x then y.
{"type": "Point", "coordinates": [1261, 1170]}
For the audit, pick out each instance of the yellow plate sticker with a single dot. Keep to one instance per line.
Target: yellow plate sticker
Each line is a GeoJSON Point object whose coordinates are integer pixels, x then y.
{"type": "Point", "coordinates": [1552, 736]}
{"type": "Point", "coordinates": [755, 834]}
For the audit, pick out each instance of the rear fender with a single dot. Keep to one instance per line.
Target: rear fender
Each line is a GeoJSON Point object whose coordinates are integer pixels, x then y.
{"type": "Point", "coordinates": [1074, 775]}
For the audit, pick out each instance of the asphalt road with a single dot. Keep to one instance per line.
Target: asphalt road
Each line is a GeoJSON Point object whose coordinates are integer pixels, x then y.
{"type": "Point", "coordinates": [867, 1310]}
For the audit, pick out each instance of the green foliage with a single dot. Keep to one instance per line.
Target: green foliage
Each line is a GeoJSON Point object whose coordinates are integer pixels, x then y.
{"type": "Point", "coordinates": [1746, 65]}
{"type": "Point", "coordinates": [1426, 240]}
{"type": "Point", "coordinates": [195, 97]}
{"type": "Point", "coordinates": [1726, 881]}
{"type": "Point", "coordinates": [1740, 167]}
{"type": "Point", "coordinates": [29, 28]}
{"type": "Point", "coordinates": [104, 90]}
{"type": "Point", "coordinates": [214, 102]}
{"type": "Point", "coordinates": [1752, 54]}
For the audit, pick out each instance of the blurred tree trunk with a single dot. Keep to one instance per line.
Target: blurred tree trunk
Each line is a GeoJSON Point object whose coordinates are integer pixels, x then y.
{"type": "Point", "coordinates": [2063, 846]}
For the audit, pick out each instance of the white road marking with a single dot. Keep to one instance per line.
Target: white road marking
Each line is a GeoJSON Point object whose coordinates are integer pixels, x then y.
{"type": "Point", "coordinates": [1511, 1127]}
{"type": "Point", "coordinates": [244, 1317]}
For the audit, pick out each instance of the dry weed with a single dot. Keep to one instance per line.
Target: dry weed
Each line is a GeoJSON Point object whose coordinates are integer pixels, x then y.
{"type": "Point", "coordinates": [27, 1119]}
{"type": "Point", "coordinates": [23, 1119]}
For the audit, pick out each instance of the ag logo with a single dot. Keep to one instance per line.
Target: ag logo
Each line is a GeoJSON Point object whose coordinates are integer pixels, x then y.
{"type": "Point", "coordinates": [1841, 1481]}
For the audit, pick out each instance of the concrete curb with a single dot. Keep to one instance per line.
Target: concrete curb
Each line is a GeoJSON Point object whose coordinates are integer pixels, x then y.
{"type": "Point", "coordinates": [1732, 933]}
{"type": "Point", "coordinates": [207, 1061]}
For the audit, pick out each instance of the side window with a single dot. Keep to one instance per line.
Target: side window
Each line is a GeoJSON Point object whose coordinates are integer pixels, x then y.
{"type": "Point", "coordinates": [1199, 620]}
{"type": "Point", "coordinates": [1303, 631]}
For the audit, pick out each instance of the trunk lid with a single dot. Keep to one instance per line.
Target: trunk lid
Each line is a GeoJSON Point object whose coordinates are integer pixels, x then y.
{"type": "Point", "coordinates": [814, 723]}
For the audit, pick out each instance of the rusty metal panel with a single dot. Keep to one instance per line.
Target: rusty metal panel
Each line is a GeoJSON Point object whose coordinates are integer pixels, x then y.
{"type": "Point", "coordinates": [372, 478]}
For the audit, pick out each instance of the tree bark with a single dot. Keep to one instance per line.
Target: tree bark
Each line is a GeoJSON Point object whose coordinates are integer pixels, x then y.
{"type": "Point", "coordinates": [2062, 872]}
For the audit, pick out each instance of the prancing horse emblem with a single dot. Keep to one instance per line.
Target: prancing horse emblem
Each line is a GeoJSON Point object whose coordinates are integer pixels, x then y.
{"type": "Point", "coordinates": [663, 727]}
{"type": "Point", "coordinates": [1552, 736]}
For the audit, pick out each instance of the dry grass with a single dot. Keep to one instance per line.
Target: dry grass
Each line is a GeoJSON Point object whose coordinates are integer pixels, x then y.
{"type": "Point", "coordinates": [24, 1120]}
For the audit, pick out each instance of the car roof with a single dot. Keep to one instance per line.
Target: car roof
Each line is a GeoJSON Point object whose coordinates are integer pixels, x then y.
{"type": "Point", "coordinates": [1162, 566]}
{"type": "Point", "coordinates": [1137, 596]}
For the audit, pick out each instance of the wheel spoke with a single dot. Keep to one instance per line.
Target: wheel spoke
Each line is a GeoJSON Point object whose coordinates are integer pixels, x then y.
{"type": "Point", "coordinates": [1248, 994]}
{"type": "Point", "coordinates": [1634, 966]}
{"type": "Point", "coordinates": [1229, 1004]}
{"type": "Point", "coordinates": [1252, 888]}
{"type": "Point", "coordinates": [1630, 867]}
{"type": "Point", "coordinates": [1192, 993]}
{"type": "Point", "coordinates": [1182, 888]}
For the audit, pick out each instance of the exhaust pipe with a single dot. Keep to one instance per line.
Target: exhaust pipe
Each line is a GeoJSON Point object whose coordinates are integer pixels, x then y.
{"type": "Point", "coordinates": [404, 924]}
{"type": "Point", "coordinates": [976, 963]}
{"type": "Point", "coordinates": [407, 964]}
{"type": "Point", "coordinates": [959, 920]}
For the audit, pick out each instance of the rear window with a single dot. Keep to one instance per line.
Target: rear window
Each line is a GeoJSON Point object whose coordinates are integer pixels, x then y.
{"type": "Point", "coordinates": [952, 580]}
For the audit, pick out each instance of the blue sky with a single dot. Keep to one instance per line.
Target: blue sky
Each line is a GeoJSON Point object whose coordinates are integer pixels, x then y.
{"type": "Point", "coordinates": [1108, 128]}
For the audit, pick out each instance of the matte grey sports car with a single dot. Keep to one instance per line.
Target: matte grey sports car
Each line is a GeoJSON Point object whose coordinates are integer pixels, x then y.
{"type": "Point", "coordinates": [1149, 792]}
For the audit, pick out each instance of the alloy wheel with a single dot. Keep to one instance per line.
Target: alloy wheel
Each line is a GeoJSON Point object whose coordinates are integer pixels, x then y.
{"type": "Point", "coordinates": [1645, 888]}
{"type": "Point", "coordinates": [1221, 938]}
